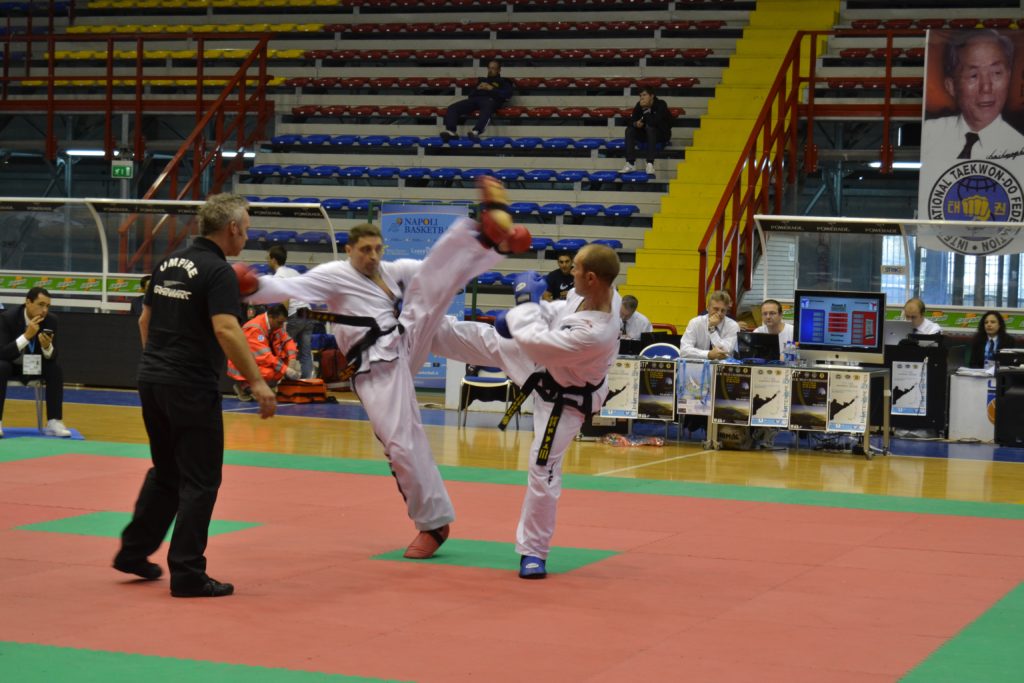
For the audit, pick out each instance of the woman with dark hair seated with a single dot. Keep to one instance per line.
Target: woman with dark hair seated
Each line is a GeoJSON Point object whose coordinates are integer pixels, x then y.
{"type": "Point", "coordinates": [990, 338]}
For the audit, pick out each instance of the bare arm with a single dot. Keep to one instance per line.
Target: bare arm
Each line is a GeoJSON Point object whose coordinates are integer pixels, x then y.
{"type": "Point", "coordinates": [147, 313]}
{"type": "Point", "coordinates": [236, 348]}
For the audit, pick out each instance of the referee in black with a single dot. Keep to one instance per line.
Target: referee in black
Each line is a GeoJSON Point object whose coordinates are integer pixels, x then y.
{"type": "Point", "coordinates": [188, 323]}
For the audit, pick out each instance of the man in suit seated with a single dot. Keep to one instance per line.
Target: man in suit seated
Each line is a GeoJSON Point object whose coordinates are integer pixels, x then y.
{"type": "Point", "coordinates": [27, 353]}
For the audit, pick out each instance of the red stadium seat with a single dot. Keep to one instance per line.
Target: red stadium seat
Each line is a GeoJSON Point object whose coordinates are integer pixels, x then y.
{"type": "Point", "coordinates": [529, 83]}
{"type": "Point", "coordinates": [866, 24]}
{"type": "Point", "coordinates": [422, 112]}
{"type": "Point", "coordinates": [603, 112]}
{"type": "Point", "coordinates": [353, 82]}
{"type": "Point", "coordinates": [842, 83]}
{"type": "Point", "coordinates": [346, 55]}
{"type": "Point", "coordinates": [317, 54]}
{"type": "Point", "coordinates": [682, 82]}
{"type": "Point", "coordinates": [633, 53]}
{"type": "Point", "coordinates": [710, 25]}
{"type": "Point", "coordinates": [1001, 22]}
{"type": "Point", "coordinates": [572, 112]}
{"type": "Point", "coordinates": [872, 83]}
{"type": "Point", "coordinates": [298, 82]}
{"type": "Point", "coordinates": [466, 82]}
{"type": "Point", "coordinates": [511, 112]}
{"type": "Point", "coordinates": [908, 82]}
{"type": "Point", "coordinates": [393, 110]}
{"type": "Point", "coordinates": [540, 112]}
{"type": "Point", "coordinates": [697, 53]}
{"type": "Point", "coordinates": [363, 110]}
{"type": "Point", "coordinates": [930, 23]}
{"type": "Point", "coordinates": [651, 82]}
{"type": "Point", "coordinates": [335, 110]}
{"type": "Point", "coordinates": [898, 24]}
{"type": "Point", "coordinates": [664, 53]}
{"type": "Point", "coordinates": [412, 82]}
{"type": "Point", "coordinates": [374, 55]}
{"type": "Point", "coordinates": [458, 54]}
{"type": "Point", "coordinates": [306, 110]}
{"type": "Point", "coordinates": [329, 82]}
{"type": "Point", "coordinates": [971, 23]}
{"type": "Point", "coordinates": [552, 83]}
{"type": "Point", "coordinates": [677, 111]}
{"type": "Point", "coordinates": [617, 83]}
{"type": "Point", "coordinates": [915, 52]}
{"type": "Point", "coordinates": [383, 82]}
{"type": "Point", "coordinates": [854, 53]}
{"type": "Point", "coordinates": [364, 28]}
{"type": "Point", "coordinates": [543, 54]}
{"type": "Point", "coordinates": [589, 83]}
{"type": "Point", "coordinates": [488, 54]}
{"type": "Point", "coordinates": [680, 25]}
{"type": "Point", "coordinates": [430, 54]}
{"type": "Point", "coordinates": [442, 82]}
{"type": "Point", "coordinates": [880, 52]}
{"type": "Point", "coordinates": [400, 55]}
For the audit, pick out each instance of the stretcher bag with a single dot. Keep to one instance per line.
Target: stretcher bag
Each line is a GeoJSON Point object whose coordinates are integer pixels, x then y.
{"type": "Point", "coordinates": [303, 391]}
{"type": "Point", "coordinates": [332, 363]}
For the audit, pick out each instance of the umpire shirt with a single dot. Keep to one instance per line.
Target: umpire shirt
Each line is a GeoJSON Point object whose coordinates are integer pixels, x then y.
{"type": "Point", "coordinates": [187, 289]}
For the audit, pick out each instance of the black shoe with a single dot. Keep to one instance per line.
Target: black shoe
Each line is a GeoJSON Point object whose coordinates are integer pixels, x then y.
{"type": "Point", "coordinates": [211, 588]}
{"type": "Point", "coordinates": [448, 136]}
{"type": "Point", "coordinates": [141, 568]}
{"type": "Point", "coordinates": [474, 136]}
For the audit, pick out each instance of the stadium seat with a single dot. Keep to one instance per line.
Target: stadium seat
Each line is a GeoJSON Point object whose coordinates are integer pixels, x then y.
{"type": "Point", "coordinates": [275, 199]}
{"type": "Point", "coordinates": [541, 243]}
{"type": "Point", "coordinates": [621, 210]}
{"type": "Point", "coordinates": [374, 140]}
{"type": "Point", "coordinates": [315, 139]}
{"type": "Point", "coordinates": [341, 238]}
{"type": "Point", "coordinates": [295, 170]}
{"type": "Point", "coordinates": [488, 278]}
{"type": "Point", "coordinates": [281, 236]}
{"type": "Point", "coordinates": [256, 235]}
{"type": "Point", "coordinates": [432, 142]}
{"type": "Point", "coordinates": [290, 139]}
{"type": "Point", "coordinates": [588, 143]}
{"type": "Point", "coordinates": [569, 244]}
{"type": "Point", "coordinates": [508, 279]}
{"type": "Point", "coordinates": [383, 172]}
{"type": "Point", "coordinates": [554, 209]}
{"type": "Point", "coordinates": [613, 244]}
{"type": "Point", "coordinates": [461, 143]}
{"type": "Point", "coordinates": [344, 140]}
{"type": "Point", "coordinates": [526, 143]}
{"type": "Point", "coordinates": [572, 176]}
{"type": "Point", "coordinates": [353, 171]}
{"type": "Point", "coordinates": [557, 143]}
{"type": "Point", "coordinates": [312, 238]}
{"type": "Point", "coordinates": [586, 210]}
{"type": "Point", "coordinates": [336, 204]}
{"type": "Point", "coordinates": [263, 170]}
{"type": "Point", "coordinates": [404, 141]}
{"type": "Point", "coordinates": [298, 267]}
{"type": "Point", "coordinates": [635, 177]}
{"type": "Point", "coordinates": [325, 171]}
{"type": "Point", "coordinates": [603, 176]}
{"type": "Point", "coordinates": [306, 200]}
{"type": "Point", "coordinates": [360, 205]}
{"type": "Point", "coordinates": [507, 175]}
{"type": "Point", "coordinates": [445, 173]}
{"type": "Point", "coordinates": [523, 208]}
{"type": "Point", "coordinates": [540, 175]}
{"type": "Point", "coordinates": [474, 173]}
{"type": "Point", "coordinates": [496, 142]}
{"type": "Point", "coordinates": [415, 173]}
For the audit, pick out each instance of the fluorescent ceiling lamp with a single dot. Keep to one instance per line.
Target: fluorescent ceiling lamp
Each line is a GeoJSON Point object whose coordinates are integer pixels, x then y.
{"type": "Point", "coordinates": [903, 165]}
{"type": "Point", "coordinates": [231, 155]}
{"type": "Point", "coordinates": [90, 153]}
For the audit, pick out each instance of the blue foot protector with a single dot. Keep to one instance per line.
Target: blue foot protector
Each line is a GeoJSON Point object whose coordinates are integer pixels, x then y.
{"type": "Point", "coordinates": [531, 567]}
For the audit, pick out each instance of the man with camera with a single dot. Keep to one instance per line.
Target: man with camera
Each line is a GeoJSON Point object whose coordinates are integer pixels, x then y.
{"type": "Point", "coordinates": [27, 353]}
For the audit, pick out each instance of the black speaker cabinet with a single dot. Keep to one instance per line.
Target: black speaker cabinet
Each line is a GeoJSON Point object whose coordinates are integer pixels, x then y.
{"type": "Point", "coordinates": [1010, 407]}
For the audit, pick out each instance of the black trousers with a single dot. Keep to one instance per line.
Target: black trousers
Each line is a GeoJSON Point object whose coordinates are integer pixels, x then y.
{"type": "Point", "coordinates": [186, 440]}
{"type": "Point", "coordinates": [463, 108]}
{"type": "Point", "coordinates": [647, 135]}
{"type": "Point", "coordinates": [52, 375]}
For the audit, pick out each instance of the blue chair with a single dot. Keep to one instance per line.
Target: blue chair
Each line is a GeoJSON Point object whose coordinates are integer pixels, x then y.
{"type": "Point", "coordinates": [635, 177]}
{"type": "Point", "coordinates": [507, 175]}
{"type": "Point", "coordinates": [323, 341]}
{"type": "Point", "coordinates": [660, 350]}
{"type": "Point", "coordinates": [541, 175]}
{"type": "Point", "coordinates": [295, 170]}
{"type": "Point", "coordinates": [384, 172]}
{"type": "Point", "coordinates": [557, 143]}
{"type": "Point", "coordinates": [523, 208]}
{"type": "Point", "coordinates": [315, 139]}
{"type": "Point", "coordinates": [289, 139]}
{"type": "Point", "coordinates": [497, 142]}
{"type": "Point", "coordinates": [587, 210]}
{"type": "Point", "coordinates": [281, 236]}
{"type": "Point", "coordinates": [474, 173]}
{"type": "Point", "coordinates": [334, 204]}
{"type": "Point", "coordinates": [306, 200]}
{"type": "Point", "coordinates": [612, 244]}
{"type": "Point", "coordinates": [260, 268]}
{"type": "Point", "coordinates": [573, 176]}
{"type": "Point", "coordinates": [299, 268]}
{"type": "Point", "coordinates": [353, 171]}
{"type": "Point", "coordinates": [621, 210]}
{"type": "Point", "coordinates": [432, 142]}
{"type": "Point", "coordinates": [263, 170]}
{"type": "Point", "coordinates": [603, 176]}
{"type": "Point", "coordinates": [341, 238]}
{"type": "Point", "coordinates": [554, 209]}
{"type": "Point", "coordinates": [471, 312]}
{"type": "Point", "coordinates": [256, 235]}
{"type": "Point", "coordinates": [251, 198]}
{"type": "Point", "coordinates": [325, 171]}
{"type": "Point", "coordinates": [405, 141]}
{"type": "Point", "coordinates": [541, 243]}
{"type": "Point", "coordinates": [488, 278]}
{"type": "Point", "coordinates": [312, 238]}
{"type": "Point", "coordinates": [359, 206]}
{"type": "Point", "coordinates": [478, 387]}
{"type": "Point", "coordinates": [446, 173]}
{"type": "Point", "coordinates": [275, 199]}
{"type": "Point", "coordinates": [526, 143]}
{"type": "Point", "coordinates": [344, 140]}
{"type": "Point", "coordinates": [588, 143]}
{"type": "Point", "coordinates": [374, 140]}
{"type": "Point", "coordinates": [616, 145]}
{"type": "Point", "coordinates": [416, 173]}
{"type": "Point", "coordinates": [569, 244]}
{"type": "Point", "coordinates": [509, 279]}
{"type": "Point", "coordinates": [461, 143]}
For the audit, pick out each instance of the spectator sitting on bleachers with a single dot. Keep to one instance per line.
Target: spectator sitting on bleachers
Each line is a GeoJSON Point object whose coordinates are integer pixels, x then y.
{"type": "Point", "coordinates": [634, 323]}
{"type": "Point", "coordinates": [489, 94]}
{"type": "Point", "coordinates": [651, 124]}
{"type": "Point", "coordinates": [272, 348]}
{"type": "Point", "coordinates": [560, 280]}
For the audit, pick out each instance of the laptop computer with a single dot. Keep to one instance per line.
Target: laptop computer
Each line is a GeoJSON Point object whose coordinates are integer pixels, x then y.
{"type": "Point", "coordinates": [760, 345]}
{"type": "Point", "coordinates": [896, 331]}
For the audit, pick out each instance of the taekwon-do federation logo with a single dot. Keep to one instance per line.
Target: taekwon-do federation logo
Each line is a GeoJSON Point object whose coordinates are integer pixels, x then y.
{"type": "Point", "coordinates": [979, 191]}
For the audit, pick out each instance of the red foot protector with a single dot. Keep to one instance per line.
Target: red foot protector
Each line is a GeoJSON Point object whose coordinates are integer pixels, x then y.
{"type": "Point", "coordinates": [248, 282]}
{"type": "Point", "coordinates": [495, 220]}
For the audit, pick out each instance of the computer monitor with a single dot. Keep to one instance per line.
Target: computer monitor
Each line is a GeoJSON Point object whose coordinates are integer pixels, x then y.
{"type": "Point", "coordinates": [896, 331]}
{"type": "Point", "coordinates": [762, 345]}
{"type": "Point", "coordinates": [839, 327]}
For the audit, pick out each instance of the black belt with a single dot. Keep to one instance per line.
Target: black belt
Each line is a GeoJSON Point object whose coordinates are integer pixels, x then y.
{"type": "Point", "coordinates": [354, 355]}
{"type": "Point", "coordinates": [580, 398]}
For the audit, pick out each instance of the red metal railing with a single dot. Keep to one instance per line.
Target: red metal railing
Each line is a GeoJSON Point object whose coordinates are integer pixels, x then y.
{"type": "Point", "coordinates": [769, 159]}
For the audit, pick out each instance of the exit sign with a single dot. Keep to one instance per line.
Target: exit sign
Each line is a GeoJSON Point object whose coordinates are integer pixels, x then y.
{"type": "Point", "coordinates": [122, 169]}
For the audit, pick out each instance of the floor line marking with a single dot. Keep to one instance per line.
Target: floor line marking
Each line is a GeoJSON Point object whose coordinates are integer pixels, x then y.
{"type": "Point", "coordinates": [655, 462]}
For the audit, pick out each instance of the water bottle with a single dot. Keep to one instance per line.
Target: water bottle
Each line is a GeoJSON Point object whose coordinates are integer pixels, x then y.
{"type": "Point", "coordinates": [789, 354]}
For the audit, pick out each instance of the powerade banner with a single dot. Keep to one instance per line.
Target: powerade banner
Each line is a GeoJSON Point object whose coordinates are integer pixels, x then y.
{"type": "Point", "coordinates": [972, 148]}
{"type": "Point", "coordinates": [410, 230]}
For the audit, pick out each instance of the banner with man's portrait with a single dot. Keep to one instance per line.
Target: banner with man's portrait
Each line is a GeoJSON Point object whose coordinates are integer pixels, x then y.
{"type": "Point", "coordinates": [972, 147]}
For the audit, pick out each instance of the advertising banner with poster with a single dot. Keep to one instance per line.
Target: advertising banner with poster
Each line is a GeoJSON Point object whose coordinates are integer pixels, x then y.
{"type": "Point", "coordinates": [770, 390]}
{"type": "Point", "coordinates": [848, 401]}
{"type": "Point", "coordinates": [972, 148]}
{"type": "Point", "coordinates": [732, 395]}
{"type": "Point", "coordinates": [409, 231]}
{"type": "Point", "coordinates": [810, 400]}
{"type": "Point", "coordinates": [657, 399]}
{"type": "Point", "coordinates": [909, 388]}
{"type": "Point", "coordinates": [693, 387]}
{"type": "Point", "coordinates": [623, 389]}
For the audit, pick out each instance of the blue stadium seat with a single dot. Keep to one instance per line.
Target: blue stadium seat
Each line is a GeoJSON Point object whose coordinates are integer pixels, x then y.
{"type": "Point", "coordinates": [353, 171]}
{"type": "Point", "coordinates": [260, 268]}
{"type": "Point", "coordinates": [526, 143]}
{"type": "Point", "coordinates": [334, 204]}
{"type": "Point", "coordinates": [635, 177]}
{"type": "Point", "coordinates": [289, 139]}
{"type": "Point", "coordinates": [435, 141]}
{"type": "Point", "coordinates": [315, 139]}
{"type": "Point", "coordinates": [541, 175]}
{"type": "Point", "coordinates": [341, 238]}
{"type": "Point", "coordinates": [261, 170]}
{"type": "Point", "coordinates": [555, 209]}
{"type": "Point", "coordinates": [374, 140]}
{"type": "Point", "coordinates": [275, 199]}
{"type": "Point", "coordinates": [461, 143]}
{"type": "Point", "coordinates": [252, 198]}
{"type": "Point", "coordinates": [323, 341]}
{"type": "Point", "coordinates": [509, 279]}
{"type": "Point", "coordinates": [588, 143]}
{"type": "Point", "coordinates": [446, 173]}
{"type": "Point", "coordinates": [557, 143]}
{"type": "Point", "coordinates": [312, 238]}
{"type": "Point", "coordinates": [344, 140]}
{"type": "Point", "coordinates": [572, 176]}
{"type": "Point", "coordinates": [295, 170]}
{"type": "Point", "coordinates": [488, 278]}
{"type": "Point", "coordinates": [585, 210]}
{"type": "Point", "coordinates": [405, 141]}
{"type": "Point", "coordinates": [541, 243]}
{"type": "Point", "coordinates": [415, 173]}
{"type": "Point", "coordinates": [254, 234]}
{"type": "Point", "coordinates": [621, 210]}
{"type": "Point", "coordinates": [569, 244]}
{"type": "Point", "coordinates": [497, 142]}
{"type": "Point", "coordinates": [306, 200]}
{"type": "Point", "coordinates": [614, 244]}
{"type": "Point", "coordinates": [325, 171]}
{"type": "Point", "coordinates": [474, 173]}
{"type": "Point", "coordinates": [507, 175]}
{"type": "Point", "coordinates": [523, 208]}
{"type": "Point", "coordinates": [359, 206]}
{"type": "Point", "coordinates": [618, 144]}
{"type": "Point", "coordinates": [281, 236]}
{"type": "Point", "coordinates": [299, 268]}
{"type": "Point", "coordinates": [384, 172]}
{"type": "Point", "coordinates": [470, 312]}
{"type": "Point", "coordinates": [604, 176]}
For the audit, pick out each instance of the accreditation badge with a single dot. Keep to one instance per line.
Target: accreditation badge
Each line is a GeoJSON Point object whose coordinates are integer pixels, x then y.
{"type": "Point", "coordinates": [32, 364]}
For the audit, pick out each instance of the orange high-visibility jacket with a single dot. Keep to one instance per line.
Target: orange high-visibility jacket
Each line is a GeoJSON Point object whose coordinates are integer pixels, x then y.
{"type": "Point", "coordinates": [272, 349]}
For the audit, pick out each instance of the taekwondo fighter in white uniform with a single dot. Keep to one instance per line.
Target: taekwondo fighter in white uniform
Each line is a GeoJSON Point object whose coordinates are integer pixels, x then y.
{"type": "Point", "coordinates": [561, 350]}
{"type": "Point", "coordinates": [387, 312]}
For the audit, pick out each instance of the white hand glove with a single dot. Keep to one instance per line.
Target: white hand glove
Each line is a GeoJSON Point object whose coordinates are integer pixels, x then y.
{"type": "Point", "coordinates": [292, 373]}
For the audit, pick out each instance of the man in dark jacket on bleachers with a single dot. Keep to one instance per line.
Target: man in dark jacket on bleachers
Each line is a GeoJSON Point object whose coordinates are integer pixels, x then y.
{"type": "Point", "coordinates": [489, 95]}
{"type": "Point", "coordinates": [651, 124]}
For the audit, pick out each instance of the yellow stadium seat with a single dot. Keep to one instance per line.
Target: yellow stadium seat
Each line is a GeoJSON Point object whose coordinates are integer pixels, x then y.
{"type": "Point", "coordinates": [124, 54]}
{"type": "Point", "coordinates": [158, 54]}
{"type": "Point", "coordinates": [183, 54]}
{"type": "Point", "coordinates": [99, 4]}
{"type": "Point", "coordinates": [286, 54]}
{"type": "Point", "coordinates": [128, 28]}
{"type": "Point", "coordinates": [309, 28]}
{"type": "Point", "coordinates": [276, 80]}
{"type": "Point", "coordinates": [258, 28]}
{"type": "Point", "coordinates": [177, 28]}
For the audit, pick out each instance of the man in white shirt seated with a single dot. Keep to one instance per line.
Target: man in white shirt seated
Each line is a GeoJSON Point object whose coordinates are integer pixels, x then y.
{"type": "Point", "coordinates": [634, 323]}
{"type": "Point", "coordinates": [772, 323]}
{"type": "Point", "coordinates": [913, 312]}
{"type": "Point", "coordinates": [712, 335]}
